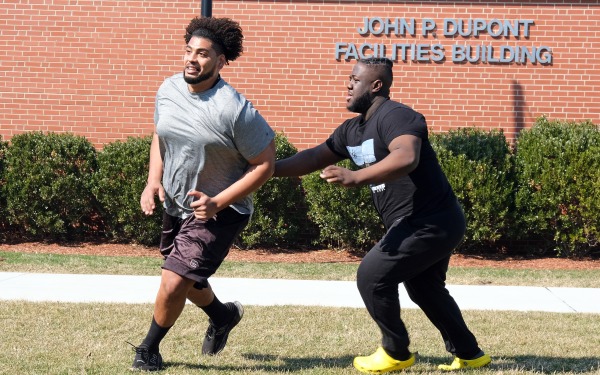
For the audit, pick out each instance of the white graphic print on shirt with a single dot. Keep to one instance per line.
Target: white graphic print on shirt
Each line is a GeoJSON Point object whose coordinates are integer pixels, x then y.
{"type": "Point", "coordinates": [364, 155]}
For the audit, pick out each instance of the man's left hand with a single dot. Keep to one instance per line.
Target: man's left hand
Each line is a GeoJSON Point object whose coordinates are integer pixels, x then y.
{"type": "Point", "coordinates": [205, 208]}
{"type": "Point", "coordinates": [338, 175]}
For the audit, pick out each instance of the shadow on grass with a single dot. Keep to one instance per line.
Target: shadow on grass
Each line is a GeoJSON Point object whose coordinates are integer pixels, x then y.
{"type": "Point", "coordinates": [529, 363]}
{"type": "Point", "coordinates": [273, 363]}
{"type": "Point", "coordinates": [550, 365]}
{"type": "Point", "coordinates": [533, 363]}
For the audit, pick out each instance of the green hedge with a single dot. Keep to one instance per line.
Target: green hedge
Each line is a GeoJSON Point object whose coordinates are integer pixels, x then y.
{"type": "Point", "coordinates": [346, 217]}
{"type": "Point", "coordinates": [48, 185]}
{"type": "Point", "coordinates": [118, 183]}
{"type": "Point", "coordinates": [3, 211]}
{"type": "Point", "coordinates": [543, 193]}
{"type": "Point", "coordinates": [280, 217]}
{"type": "Point", "coordinates": [478, 165]}
{"type": "Point", "coordinates": [558, 184]}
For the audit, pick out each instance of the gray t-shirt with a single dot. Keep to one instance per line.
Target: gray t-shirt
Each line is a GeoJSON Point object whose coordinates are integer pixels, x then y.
{"type": "Point", "coordinates": [206, 140]}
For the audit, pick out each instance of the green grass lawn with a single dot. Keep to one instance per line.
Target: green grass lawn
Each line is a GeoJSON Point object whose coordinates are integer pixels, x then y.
{"type": "Point", "coordinates": [64, 338]}
{"type": "Point", "coordinates": [123, 265]}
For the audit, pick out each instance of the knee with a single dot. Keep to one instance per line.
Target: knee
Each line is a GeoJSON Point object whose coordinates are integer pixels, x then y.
{"type": "Point", "coordinates": [373, 287]}
{"type": "Point", "coordinates": [173, 285]}
{"type": "Point", "coordinates": [426, 293]}
{"type": "Point", "coordinates": [413, 295]}
{"type": "Point", "coordinates": [364, 280]}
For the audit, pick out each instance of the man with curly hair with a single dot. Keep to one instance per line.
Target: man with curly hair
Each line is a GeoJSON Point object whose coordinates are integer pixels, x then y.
{"type": "Point", "coordinates": [211, 149]}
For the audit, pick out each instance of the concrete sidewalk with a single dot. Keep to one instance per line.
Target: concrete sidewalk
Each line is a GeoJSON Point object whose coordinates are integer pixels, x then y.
{"type": "Point", "coordinates": [268, 292]}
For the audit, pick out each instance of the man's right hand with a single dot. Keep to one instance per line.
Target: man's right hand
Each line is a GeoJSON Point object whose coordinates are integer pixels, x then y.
{"type": "Point", "coordinates": [147, 198]}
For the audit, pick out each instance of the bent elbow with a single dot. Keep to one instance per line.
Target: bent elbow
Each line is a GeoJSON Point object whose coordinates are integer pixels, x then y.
{"type": "Point", "coordinates": [413, 164]}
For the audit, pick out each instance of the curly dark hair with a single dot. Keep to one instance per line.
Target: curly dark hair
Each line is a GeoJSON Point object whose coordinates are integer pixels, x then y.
{"type": "Point", "coordinates": [226, 35]}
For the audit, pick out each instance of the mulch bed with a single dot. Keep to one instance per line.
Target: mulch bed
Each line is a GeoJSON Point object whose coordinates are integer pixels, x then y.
{"type": "Point", "coordinates": [298, 256]}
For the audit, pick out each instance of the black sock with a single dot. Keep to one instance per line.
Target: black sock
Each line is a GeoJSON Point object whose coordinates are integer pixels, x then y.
{"type": "Point", "coordinates": [154, 336]}
{"type": "Point", "coordinates": [218, 312]}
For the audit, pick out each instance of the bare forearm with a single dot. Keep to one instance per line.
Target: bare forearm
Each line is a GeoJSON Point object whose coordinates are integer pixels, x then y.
{"type": "Point", "coordinates": [297, 165]}
{"type": "Point", "coordinates": [253, 179]}
{"type": "Point", "coordinates": [260, 170]}
{"type": "Point", "coordinates": [155, 169]}
{"type": "Point", "coordinates": [402, 159]}
{"type": "Point", "coordinates": [384, 171]}
{"type": "Point", "coordinates": [305, 162]}
{"type": "Point", "coordinates": [154, 186]}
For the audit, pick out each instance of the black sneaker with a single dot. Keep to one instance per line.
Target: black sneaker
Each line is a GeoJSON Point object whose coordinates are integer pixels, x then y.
{"type": "Point", "coordinates": [146, 360]}
{"type": "Point", "coordinates": [216, 337]}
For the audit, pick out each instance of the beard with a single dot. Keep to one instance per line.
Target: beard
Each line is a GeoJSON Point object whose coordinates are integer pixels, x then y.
{"type": "Point", "coordinates": [361, 103]}
{"type": "Point", "coordinates": [196, 80]}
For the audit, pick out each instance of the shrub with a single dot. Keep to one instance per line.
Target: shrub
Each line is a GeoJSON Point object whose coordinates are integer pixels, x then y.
{"type": "Point", "coordinates": [280, 213]}
{"type": "Point", "coordinates": [118, 184]}
{"type": "Point", "coordinates": [3, 212]}
{"type": "Point", "coordinates": [346, 217]}
{"type": "Point", "coordinates": [48, 184]}
{"type": "Point", "coordinates": [558, 177]}
{"type": "Point", "coordinates": [478, 165]}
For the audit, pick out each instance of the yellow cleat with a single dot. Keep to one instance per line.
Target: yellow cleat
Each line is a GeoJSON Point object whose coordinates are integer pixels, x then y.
{"type": "Point", "coordinates": [460, 364]}
{"type": "Point", "coordinates": [380, 362]}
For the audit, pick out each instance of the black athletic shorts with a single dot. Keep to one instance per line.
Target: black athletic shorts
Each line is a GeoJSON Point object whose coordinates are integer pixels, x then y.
{"type": "Point", "coordinates": [195, 248]}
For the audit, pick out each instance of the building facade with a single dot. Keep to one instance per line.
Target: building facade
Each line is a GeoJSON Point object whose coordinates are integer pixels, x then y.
{"type": "Point", "coordinates": [92, 67]}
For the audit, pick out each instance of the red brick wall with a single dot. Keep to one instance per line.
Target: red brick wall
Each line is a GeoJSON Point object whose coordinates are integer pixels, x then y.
{"type": "Point", "coordinates": [92, 67]}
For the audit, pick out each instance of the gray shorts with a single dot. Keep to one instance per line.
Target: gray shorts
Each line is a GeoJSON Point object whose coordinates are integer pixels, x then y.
{"type": "Point", "coordinates": [194, 248]}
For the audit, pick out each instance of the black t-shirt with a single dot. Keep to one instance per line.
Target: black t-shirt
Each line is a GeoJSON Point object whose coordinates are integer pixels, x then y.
{"type": "Point", "coordinates": [422, 192]}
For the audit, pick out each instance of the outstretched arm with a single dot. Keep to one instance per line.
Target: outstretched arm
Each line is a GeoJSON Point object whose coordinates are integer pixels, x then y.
{"type": "Point", "coordinates": [306, 161]}
{"type": "Point", "coordinates": [402, 159]}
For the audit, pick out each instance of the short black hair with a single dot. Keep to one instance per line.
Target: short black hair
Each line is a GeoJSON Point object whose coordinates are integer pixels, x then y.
{"type": "Point", "coordinates": [377, 61]}
{"type": "Point", "coordinates": [383, 67]}
{"type": "Point", "coordinates": [225, 34]}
